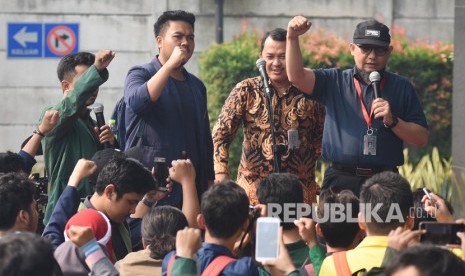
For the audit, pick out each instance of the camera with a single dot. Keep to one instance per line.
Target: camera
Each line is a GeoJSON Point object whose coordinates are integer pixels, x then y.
{"type": "Point", "coordinates": [41, 197]}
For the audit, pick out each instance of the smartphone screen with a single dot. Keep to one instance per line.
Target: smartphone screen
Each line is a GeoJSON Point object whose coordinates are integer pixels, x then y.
{"type": "Point", "coordinates": [267, 243]}
{"type": "Point", "coordinates": [441, 233]}
{"type": "Point", "coordinates": [161, 170]}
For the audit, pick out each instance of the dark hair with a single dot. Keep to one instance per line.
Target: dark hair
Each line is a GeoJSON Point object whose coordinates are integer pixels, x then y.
{"type": "Point", "coordinates": [159, 228]}
{"type": "Point", "coordinates": [177, 15]}
{"type": "Point", "coordinates": [16, 194]}
{"type": "Point", "coordinates": [429, 260]}
{"type": "Point", "coordinates": [26, 253]}
{"type": "Point", "coordinates": [225, 208]}
{"type": "Point", "coordinates": [10, 162]}
{"type": "Point", "coordinates": [128, 175]}
{"type": "Point", "coordinates": [338, 234]}
{"type": "Point", "coordinates": [278, 34]}
{"type": "Point", "coordinates": [387, 188]}
{"type": "Point", "coordinates": [281, 188]}
{"type": "Point", "coordinates": [67, 66]}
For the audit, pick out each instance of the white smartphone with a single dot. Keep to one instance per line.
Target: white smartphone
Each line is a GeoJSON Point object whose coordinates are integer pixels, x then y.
{"type": "Point", "coordinates": [267, 239]}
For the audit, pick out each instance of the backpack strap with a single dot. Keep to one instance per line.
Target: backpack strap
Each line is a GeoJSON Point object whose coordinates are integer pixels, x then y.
{"type": "Point", "coordinates": [170, 264]}
{"type": "Point", "coordinates": [340, 262]}
{"type": "Point", "coordinates": [217, 265]}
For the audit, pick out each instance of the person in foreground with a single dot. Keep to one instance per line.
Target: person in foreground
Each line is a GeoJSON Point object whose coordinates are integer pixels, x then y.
{"type": "Point", "coordinates": [364, 131]}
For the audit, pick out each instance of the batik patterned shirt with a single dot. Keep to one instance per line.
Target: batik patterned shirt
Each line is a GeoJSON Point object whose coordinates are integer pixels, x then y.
{"type": "Point", "coordinates": [292, 110]}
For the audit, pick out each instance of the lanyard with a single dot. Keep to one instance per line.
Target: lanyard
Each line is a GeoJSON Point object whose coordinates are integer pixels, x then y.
{"type": "Point", "coordinates": [360, 96]}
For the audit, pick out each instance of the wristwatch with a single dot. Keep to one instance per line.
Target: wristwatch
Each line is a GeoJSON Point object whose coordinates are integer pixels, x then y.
{"type": "Point", "coordinates": [395, 121]}
{"type": "Point", "coordinates": [38, 132]}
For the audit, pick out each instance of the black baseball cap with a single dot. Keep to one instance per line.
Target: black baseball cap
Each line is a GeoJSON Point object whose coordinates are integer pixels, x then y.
{"type": "Point", "coordinates": [372, 32]}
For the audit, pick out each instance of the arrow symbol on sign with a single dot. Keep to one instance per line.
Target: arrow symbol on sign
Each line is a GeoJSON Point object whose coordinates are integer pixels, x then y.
{"type": "Point", "coordinates": [22, 37]}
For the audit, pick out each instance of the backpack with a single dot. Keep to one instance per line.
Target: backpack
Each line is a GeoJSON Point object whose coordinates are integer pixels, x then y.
{"type": "Point", "coordinates": [119, 113]}
{"type": "Point", "coordinates": [215, 268]}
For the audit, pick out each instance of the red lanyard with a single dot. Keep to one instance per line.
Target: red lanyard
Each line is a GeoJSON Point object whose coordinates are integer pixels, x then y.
{"type": "Point", "coordinates": [360, 96]}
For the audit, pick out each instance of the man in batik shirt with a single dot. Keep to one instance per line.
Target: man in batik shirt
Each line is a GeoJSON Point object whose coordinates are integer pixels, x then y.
{"type": "Point", "coordinates": [292, 111]}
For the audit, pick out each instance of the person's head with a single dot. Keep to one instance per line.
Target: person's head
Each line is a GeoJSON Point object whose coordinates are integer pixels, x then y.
{"type": "Point", "coordinates": [273, 51]}
{"type": "Point", "coordinates": [10, 162]}
{"type": "Point", "coordinates": [338, 234]}
{"type": "Point", "coordinates": [281, 188]}
{"type": "Point", "coordinates": [371, 46]}
{"type": "Point", "coordinates": [18, 209]}
{"type": "Point", "coordinates": [159, 228]}
{"type": "Point", "coordinates": [103, 157]}
{"type": "Point", "coordinates": [426, 260]}
{"type": "Point", "coordinates": [120, 186]}
{"type": "Point", "coordinates": [174, 28]}
{"type": "Point", "coordinates": [387, 199]}
{"type": "Point", "coordinates": [24, 254]}
{"type": "Point", "coordinates": [224, 210]}
{"type": "Point", "coordinates": [70, 68]}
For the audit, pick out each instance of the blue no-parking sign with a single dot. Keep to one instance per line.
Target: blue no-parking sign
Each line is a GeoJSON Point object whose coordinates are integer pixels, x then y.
{"type": "Point", "coordinates": [61, 39]}
{"type": "Point", "coordinates": [25, 40]}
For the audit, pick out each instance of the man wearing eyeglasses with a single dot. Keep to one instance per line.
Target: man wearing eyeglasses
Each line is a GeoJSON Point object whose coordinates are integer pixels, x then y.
{"type": "Point", "coordinates": [363, 135]}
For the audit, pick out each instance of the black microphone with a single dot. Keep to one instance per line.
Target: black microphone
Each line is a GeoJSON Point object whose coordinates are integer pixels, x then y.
{"type": "Point", "coordinates": [261, 65]}
{"type": "Point", "coordinates": [98, 110]}
{"type": "Point", "coordinates": [375, 78]}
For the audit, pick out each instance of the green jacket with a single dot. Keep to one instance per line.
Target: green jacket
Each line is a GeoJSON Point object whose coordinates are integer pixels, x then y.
{"type": "Point", "coordinates": [72, 138]}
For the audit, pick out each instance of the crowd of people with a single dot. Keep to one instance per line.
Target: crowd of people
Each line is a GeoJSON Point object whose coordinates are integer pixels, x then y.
{"type": "Point", "coordinates": [107, 214]}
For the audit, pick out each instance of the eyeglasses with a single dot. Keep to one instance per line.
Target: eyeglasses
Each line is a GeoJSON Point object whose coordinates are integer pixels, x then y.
{"type": "Point", "coordinates": [379, 51]}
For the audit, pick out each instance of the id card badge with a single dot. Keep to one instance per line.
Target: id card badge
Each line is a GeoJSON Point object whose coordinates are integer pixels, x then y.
{"type": "Point", "coordinates": [369, 143]}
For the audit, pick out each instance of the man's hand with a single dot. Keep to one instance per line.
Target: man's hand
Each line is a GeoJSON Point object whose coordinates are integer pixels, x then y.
{"type": "Point", "coordinates": [84, 168]}
{"type": "Point", "coordinates": [283, 264]}
{"type": "Point", "coordinates": [382, 110]}
{"type": "Point", "coordinates": [298, 26]}
{"type": "Point", "coordinates": [80, 235]}
{"type": "Point", "coordinates": [49, 121]}
{"type": "Point", "coordinates": [400, 238]}
{"type": "Point", "coordinates": [220, 177]}
{"type": "Point", "coordinates": [188, 241]}
{"type": "Point", "coordinates": [182, 171]}
{"type": "Point", "coordinates": [103, 58]}
{"type": "Point", "coordinates": [307, 231]}
{"type": "Point", "coordinates": [178, 58]}
{"type": "Point", "coordinates": [105, 134]}
{"type": "Point", "coordinates": [437, 208]}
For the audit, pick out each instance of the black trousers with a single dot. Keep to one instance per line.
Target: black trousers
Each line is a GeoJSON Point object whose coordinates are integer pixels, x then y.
{"type": "Point", "coordinates": [337, 181]}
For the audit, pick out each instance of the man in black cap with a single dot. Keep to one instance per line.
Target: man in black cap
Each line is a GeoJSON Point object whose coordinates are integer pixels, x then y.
{"type": "Point", "coordinates": [363, 133]}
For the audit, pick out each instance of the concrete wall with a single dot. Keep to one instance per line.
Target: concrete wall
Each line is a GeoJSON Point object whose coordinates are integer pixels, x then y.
{"type": "Point", "coordinates": [27, 85]}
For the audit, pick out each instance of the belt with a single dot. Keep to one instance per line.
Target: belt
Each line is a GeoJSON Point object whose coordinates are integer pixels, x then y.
{"type": "Point", "coordinates": [361, 171]}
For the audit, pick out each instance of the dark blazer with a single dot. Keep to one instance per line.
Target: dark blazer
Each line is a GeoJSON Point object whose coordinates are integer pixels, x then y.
{"type": "Point", "coordinates": [158, 127]}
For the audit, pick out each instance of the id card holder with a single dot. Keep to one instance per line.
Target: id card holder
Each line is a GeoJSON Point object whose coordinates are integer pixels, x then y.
{"type": "Point", "coordinates": [369, 143]}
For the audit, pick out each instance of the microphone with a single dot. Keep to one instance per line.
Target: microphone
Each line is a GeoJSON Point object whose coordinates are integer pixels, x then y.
{"type": "Point", "coordinates": [98, 110]}
{"type": "Point", "coordinates": [375, 77]}
{"type": "Point", "coordinates": [261, 65]}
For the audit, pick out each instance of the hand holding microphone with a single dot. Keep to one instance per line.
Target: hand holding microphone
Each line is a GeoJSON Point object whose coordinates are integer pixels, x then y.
{"type": "Point", "coordinates": [98, 110]}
